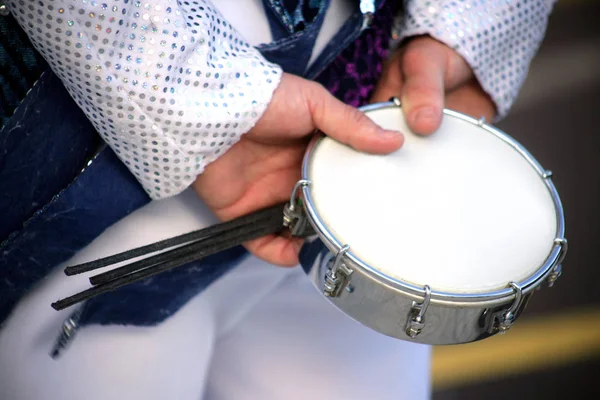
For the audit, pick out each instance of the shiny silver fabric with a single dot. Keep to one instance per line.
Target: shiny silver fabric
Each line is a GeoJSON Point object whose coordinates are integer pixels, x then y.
{"type": "Point", "coordinates": [418, 314]}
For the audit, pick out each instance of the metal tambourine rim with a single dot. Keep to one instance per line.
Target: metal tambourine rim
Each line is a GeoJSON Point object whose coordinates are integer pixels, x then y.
{"type": "Point", "coordinates": [527, 285]}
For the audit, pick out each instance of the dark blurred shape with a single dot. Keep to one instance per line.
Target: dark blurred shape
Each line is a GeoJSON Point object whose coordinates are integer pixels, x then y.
{"type": "Point", "coordinates": [578, 381]}
{"type": "Point", "coordinates": [557, 118]}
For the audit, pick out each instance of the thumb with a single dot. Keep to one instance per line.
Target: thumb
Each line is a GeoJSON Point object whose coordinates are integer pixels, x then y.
{"type": "Point", "coordinates": [349, 125]}
{"type": "Point", "coordinates": [429, 69]}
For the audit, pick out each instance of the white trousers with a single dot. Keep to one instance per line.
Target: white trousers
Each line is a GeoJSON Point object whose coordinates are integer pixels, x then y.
{"type": "Point", "coordinates": [261, 332]}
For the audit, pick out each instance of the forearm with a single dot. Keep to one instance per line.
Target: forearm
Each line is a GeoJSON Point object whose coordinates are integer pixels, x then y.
{"type": "Point", "coordinates": [169, 87]}
{"type": "Point", "coordinates": [497, 39]}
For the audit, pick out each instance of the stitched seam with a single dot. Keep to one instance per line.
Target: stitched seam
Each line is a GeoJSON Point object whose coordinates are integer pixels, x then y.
{"type": "Point", "coordinates": [37, 214]}
{"type": "Point", "coordinates": [25, 97]}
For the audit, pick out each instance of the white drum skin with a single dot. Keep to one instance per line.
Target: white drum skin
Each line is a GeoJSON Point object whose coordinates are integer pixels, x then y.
{"type": "Point", "coordinates": [460, 210]}
{"type": "Point", "coordinates": [441, 242]}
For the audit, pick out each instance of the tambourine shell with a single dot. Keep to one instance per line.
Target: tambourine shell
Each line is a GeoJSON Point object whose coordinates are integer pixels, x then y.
{"type": "Point", "coordinates": [422, 307]}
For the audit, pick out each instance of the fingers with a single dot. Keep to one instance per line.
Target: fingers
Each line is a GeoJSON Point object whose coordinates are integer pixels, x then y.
{"type": "Point", "coordinates": [420, 73]}
{"type": "Point", "coordinates": [390, 82]}
{"type": "Point", "coordinates": [277, 250]}
{"type": "Point", "coordinates": [429, 68]}
{"type": "Point", "coordinates": [264, 192]}
{"type": "Point", "coordinates": [424, 68]}
{"type": "Point", "coordinates": [349, 125]}
{"type": "Point", "coordinates": [472, 100]}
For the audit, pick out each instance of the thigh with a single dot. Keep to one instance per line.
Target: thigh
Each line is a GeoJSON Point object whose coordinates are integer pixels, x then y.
{"type": "Point", "coordinates": [295, 345]}
{"type": "Point", "coordinates": [110, 362]}
{"type": "Point", "coordinates": [107, 362]}
{"type": "Point", "coordinates": [167, 361]}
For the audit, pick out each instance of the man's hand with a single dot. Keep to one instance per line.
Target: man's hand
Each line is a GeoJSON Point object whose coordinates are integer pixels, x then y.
{"type": "Point", "coordinates": [428, 76]}
{"type": "Point", "coordinates": [262, 168]}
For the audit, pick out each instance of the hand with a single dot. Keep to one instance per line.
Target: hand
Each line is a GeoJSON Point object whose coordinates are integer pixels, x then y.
{"type": "Point", "coordinates": [261, 169]}
{"type": "Point", "coordinates": [428, 76]}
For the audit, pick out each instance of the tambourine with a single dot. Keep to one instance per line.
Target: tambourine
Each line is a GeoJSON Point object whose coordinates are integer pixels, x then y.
{"type": "Point", "coordinates": [441, 242]}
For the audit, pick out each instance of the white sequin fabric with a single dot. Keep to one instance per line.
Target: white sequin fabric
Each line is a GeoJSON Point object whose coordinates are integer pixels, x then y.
{"type": "Point", "coordinates": [169, 85]}
{"type": "Point", "coordinates": [497, 38]}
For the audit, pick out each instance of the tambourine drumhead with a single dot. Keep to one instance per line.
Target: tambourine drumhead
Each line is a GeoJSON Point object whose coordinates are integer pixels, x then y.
{"type": "Point", "coordinates": [461, 210]}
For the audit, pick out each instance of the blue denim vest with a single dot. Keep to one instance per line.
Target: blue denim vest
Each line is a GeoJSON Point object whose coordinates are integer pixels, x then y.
{"type": "Point", "coordinates": [62, 186]}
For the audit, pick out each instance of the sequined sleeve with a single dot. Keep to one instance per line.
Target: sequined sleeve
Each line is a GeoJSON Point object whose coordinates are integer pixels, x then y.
{"type": "Point", "coordinates": [498, 39]}
{"type": "Point", "coordinates": [169, 85]}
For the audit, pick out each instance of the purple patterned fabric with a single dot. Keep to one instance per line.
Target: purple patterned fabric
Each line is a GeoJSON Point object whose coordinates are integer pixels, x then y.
{"type": "Point", "coordinates": [353, 74]}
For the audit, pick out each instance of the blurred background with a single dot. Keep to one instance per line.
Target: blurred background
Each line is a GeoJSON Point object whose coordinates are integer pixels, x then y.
{"type": "Point", "coordinates": [553, 352]}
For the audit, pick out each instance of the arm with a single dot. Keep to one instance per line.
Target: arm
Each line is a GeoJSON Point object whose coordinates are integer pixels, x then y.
{"type": "Point", "coordinates": [498, 40]}
{"type": "Point", "coordinates": [169, 86]}
{"type": "Point", "coordinates": [183, 100]}
{"type": "Point", "coordinates": [471, 56]}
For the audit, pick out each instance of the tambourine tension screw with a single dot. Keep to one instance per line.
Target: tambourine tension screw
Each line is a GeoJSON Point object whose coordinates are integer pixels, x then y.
{"type": "Point", "coordinates": [416, 320]}
{"type": "Point", "coordinates": [336, 278]}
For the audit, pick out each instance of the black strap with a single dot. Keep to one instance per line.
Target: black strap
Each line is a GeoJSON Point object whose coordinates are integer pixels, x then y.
{"type": "Point", "coordinates": [192, 246]}
{"type": "Point", "coordinates": [275, 211]}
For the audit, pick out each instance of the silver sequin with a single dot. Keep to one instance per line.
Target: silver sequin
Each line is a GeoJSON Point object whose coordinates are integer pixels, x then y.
{"type": "Point", "coordinates": [159, 64]}
{"type": "Point", "coordinates": [170, 70]}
